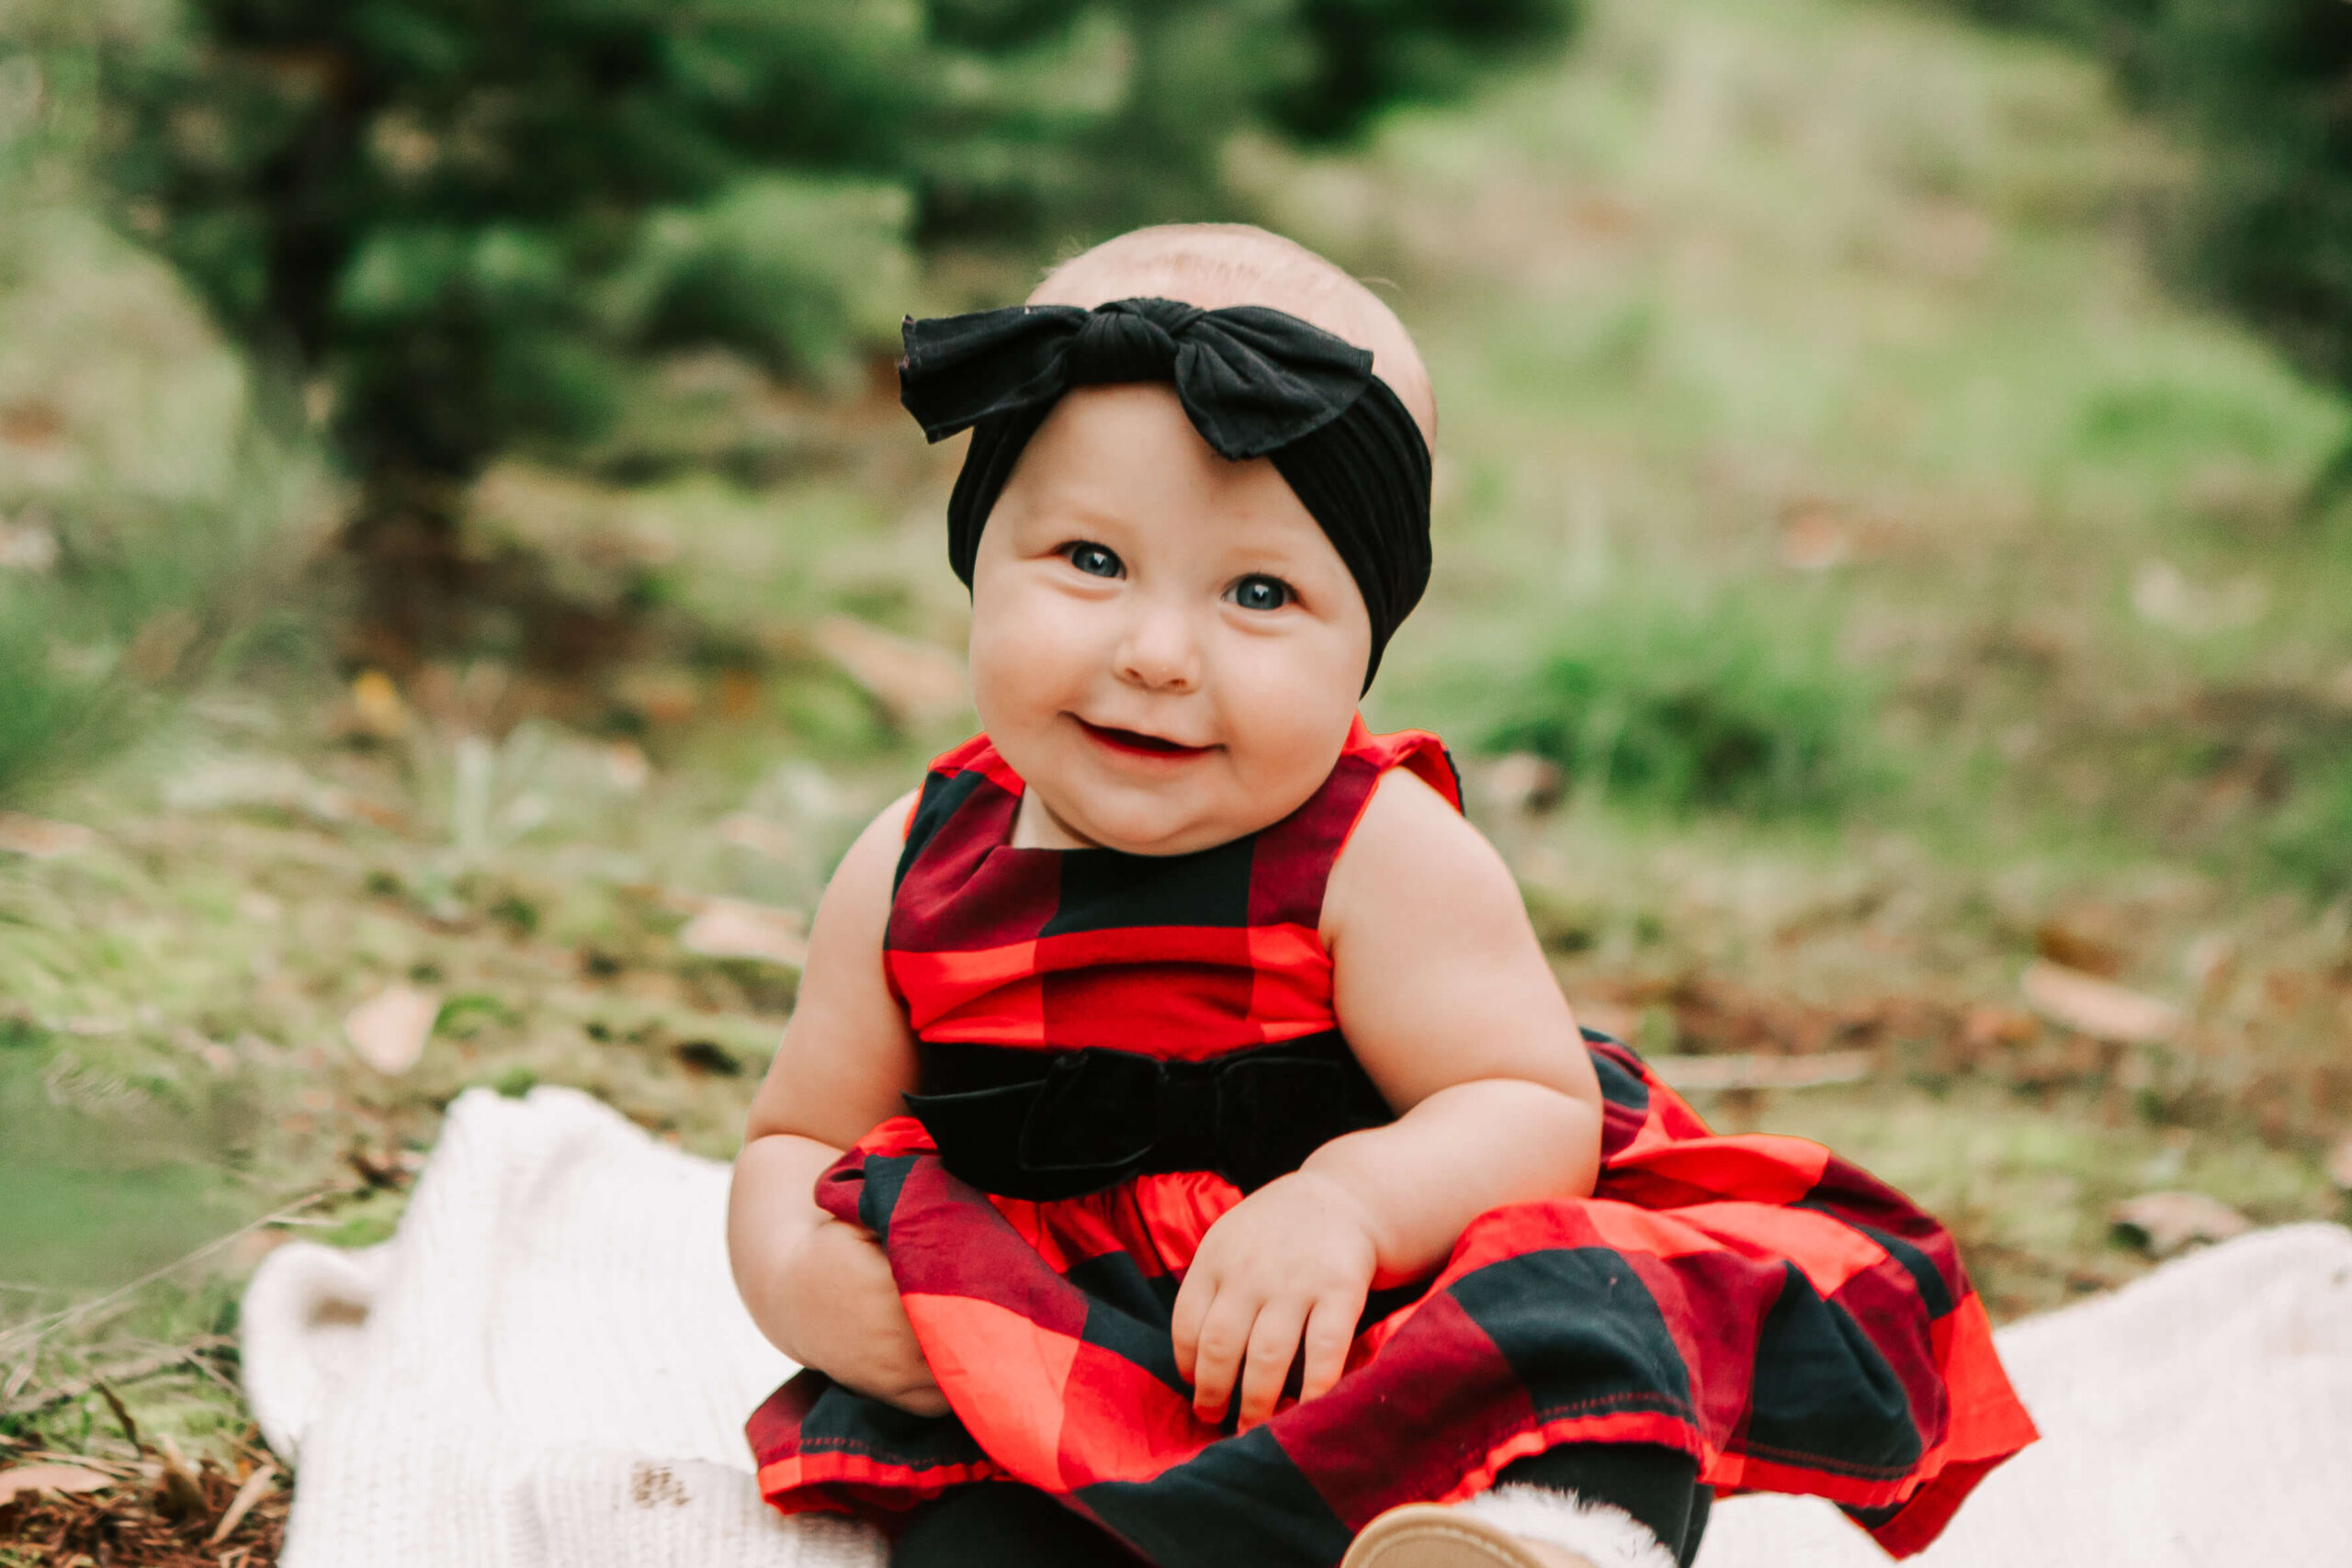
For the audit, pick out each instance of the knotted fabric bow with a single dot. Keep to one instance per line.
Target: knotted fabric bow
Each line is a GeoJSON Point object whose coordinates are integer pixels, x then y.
{"type": "Point", "coordinates": [1256, 382]}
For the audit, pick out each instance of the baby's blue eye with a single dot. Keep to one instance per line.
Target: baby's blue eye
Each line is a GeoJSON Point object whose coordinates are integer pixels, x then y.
{"type": "Point", "coordinates": [1261, 593]}
{"type": "Point", "coordinates": [1094, 560]}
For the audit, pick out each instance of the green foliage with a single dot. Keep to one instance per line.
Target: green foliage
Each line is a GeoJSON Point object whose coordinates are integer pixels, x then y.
{"type": "Point", "coordinates": [2266, 85]}
{"type": "Point", "coordinates": [1681, 705]}
{"type": "Point", "coordinates": [139, 497]}
{"type": "Point", "coordinates": [515, 1081]}
{"type": "Point", "coordinates": [472, 221]}
{"type": "Point", "coordinates": [1373, 52]}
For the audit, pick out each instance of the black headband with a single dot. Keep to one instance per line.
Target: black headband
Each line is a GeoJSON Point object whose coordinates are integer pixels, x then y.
{"type": "Point", "coordinates": [1255, 382]}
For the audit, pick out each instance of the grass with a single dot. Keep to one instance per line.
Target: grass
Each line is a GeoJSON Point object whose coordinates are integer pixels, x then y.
{"type": "Point", "coordinates": [1910, 588]}
{"type": "Point", "coordinates": [1798, 291]}
{"type": "Point", "coordinates": [1730, 705]}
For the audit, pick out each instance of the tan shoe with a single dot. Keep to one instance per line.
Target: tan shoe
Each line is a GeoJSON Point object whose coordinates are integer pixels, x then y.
{"type": "Point", "coordinates": [1510, 1527]}
{"type": "Point", "coordinates": [1431, 1535]}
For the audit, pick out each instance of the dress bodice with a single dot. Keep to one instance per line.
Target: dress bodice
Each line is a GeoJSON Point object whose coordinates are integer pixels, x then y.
{"type": "Point", "coordinates": [1176, 957]}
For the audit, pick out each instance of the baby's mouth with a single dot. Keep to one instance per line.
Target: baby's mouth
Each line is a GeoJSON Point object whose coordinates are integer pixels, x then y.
{"type": "Point", "coordinates": [1135, 743]}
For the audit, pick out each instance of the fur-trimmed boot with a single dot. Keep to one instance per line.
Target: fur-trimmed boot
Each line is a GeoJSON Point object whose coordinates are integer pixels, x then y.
{"type": "Point", "coordinates": [1510, 1527]}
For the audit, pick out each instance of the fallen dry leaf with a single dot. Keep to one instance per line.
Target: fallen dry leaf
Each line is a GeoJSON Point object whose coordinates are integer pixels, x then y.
{"type": "Point", "coordinates": [2167, 1223]}
{"type": "Point", "coordinates": [389, 1029]}
{"type": "Point", "coordinates": [256, 1486]}
{"type": "Point", "coordinates": [1986, 1026]}
{"type": "Point", "coordinates": [2071, 946]}
{"type": "Point", "coordinates": [377, 710]}
{"type": "Point", "coordinates": [707, 1057]}
{"type": "Point", "coordinates": [49, 1478]}
{"type": "Point", "coordinates": [736, 928]}
{"type": "Point", "coordinates": [40, 839]}
{"type": "Point", "coordinates": [627, 766]}
{"type": "Point", "coordinates": [2100, 1009]}
{"type": "Point", "coordinates": [917, 683]}
{"type": "Point", "coordinates": [1812, 536]}
{"type": "Point", "coordinates": [30, 423]}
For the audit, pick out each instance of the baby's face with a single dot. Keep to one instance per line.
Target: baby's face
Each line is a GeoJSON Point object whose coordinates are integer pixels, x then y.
{"type": "Point", "coordinates": [1165, 646]}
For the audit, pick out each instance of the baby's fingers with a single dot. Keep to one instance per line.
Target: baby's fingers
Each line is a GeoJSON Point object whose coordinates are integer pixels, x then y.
{"type": "Point", "coordinates": [1224, 1340]}
{"type": "Point", "coordinates": [1330, 1329]}
{"type": "Point", "coordinates": [1274, 1345]}
{"type": "Point", "coordinates": [1191, 1309]}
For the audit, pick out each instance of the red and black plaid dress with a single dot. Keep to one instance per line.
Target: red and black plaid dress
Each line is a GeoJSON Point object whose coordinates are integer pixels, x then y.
{"type": "Point", "coordinates": [1130, 1043]}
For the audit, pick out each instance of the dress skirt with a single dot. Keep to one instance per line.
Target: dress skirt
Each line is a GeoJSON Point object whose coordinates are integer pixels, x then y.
{"type": "Point", "coordinates": [1792, 1323]}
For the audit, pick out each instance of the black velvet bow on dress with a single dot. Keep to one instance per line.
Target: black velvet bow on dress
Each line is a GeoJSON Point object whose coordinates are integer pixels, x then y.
{"type": "Point", "coordinates": [1256, 382]}
{"type": "Point", "coordinates": [1023, 1124]}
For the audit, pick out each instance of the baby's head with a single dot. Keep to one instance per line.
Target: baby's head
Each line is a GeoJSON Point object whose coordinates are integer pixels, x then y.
{"type": "Point", "coordinates": [1167, 644]}
{"type": "Point", "coordinates": [1216, 264]}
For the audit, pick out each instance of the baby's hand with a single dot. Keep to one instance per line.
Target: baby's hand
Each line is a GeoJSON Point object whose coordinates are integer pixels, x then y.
{"type": "Point", "coordinates": [852, 1325]}
{"type": "Point", "coordinates": [1288, 1266]}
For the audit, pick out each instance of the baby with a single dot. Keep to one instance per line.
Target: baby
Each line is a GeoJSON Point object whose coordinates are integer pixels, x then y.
{"type": "Point", "coordinates": [1226, 1181]}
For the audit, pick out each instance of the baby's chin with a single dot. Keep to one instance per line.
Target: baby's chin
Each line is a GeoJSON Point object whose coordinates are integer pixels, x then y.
{"type": "Point", "coordinates": [1141, 822]}
{"type": "Point", "coordinates": [1144, 832]}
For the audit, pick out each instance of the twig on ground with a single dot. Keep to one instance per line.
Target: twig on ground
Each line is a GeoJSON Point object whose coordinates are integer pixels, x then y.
{"type": "Point", "coordinates": [121, 1413]}
{"type": "Point", "coordinates": [162, 1360]}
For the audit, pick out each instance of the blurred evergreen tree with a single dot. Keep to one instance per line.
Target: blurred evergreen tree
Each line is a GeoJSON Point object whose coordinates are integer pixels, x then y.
{"type": "Point", "coordinates": [469, 219]}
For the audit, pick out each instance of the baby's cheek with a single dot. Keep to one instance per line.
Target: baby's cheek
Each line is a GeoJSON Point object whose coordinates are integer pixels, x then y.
{"type": "Point", "coordinates": [1287, 734]}
{"type": "Point", "coordinates": [1026, 653]}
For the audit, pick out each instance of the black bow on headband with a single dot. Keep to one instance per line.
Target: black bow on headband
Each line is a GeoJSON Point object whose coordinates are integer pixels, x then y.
{"type": "Point", "coordinates": [1250, 378]}
{"type": "Point", "coordinates": [1255, 382]}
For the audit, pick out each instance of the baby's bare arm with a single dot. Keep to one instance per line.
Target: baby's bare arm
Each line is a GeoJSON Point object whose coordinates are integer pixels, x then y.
{"type": "Point", "coordinates": [1446, 999]}
{"type": "Point", "coordinates": [819, 1288]}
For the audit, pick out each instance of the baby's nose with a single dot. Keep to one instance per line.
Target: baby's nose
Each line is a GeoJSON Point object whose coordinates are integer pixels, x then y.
{"type": "Point", "coordinates": [1159, 652]}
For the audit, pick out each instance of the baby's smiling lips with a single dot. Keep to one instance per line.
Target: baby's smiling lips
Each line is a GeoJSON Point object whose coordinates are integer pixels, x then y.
{"type": "Point", "coordinates": [1135, 743]}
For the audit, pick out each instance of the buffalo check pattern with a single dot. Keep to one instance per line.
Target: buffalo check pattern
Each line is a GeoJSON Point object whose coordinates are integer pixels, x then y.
{"type": "Point", "coordinates": [1754, 1301]}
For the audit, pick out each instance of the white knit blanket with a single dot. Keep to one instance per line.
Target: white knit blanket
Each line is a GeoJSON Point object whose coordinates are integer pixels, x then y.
{"type": "Point", "coordinates": [547, 1368]}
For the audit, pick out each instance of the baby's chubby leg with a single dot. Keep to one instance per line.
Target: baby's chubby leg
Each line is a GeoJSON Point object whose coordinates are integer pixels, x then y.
{"type": "Point", "coordinates": [1001, 1523]}
{"type": "Point", "coordinates": [1616, 1504]}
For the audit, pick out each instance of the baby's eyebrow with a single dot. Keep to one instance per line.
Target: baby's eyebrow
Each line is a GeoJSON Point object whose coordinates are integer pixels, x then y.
{"type": "Point", "coordinates": [1065, 513]}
